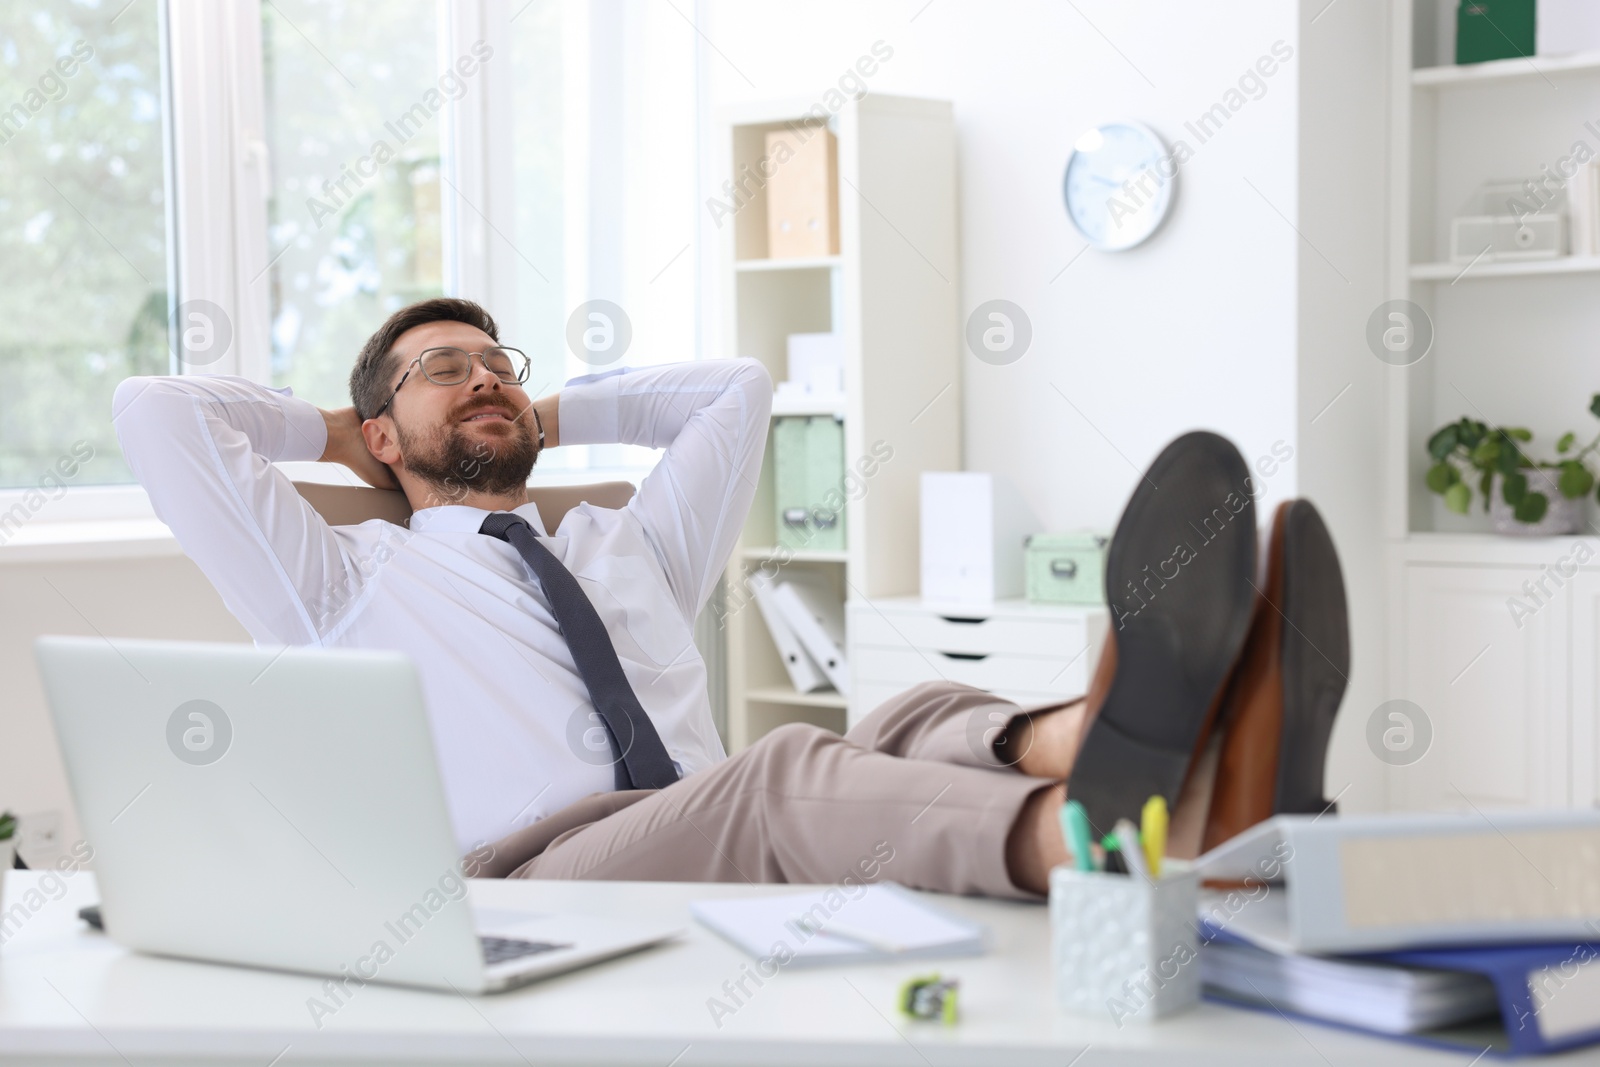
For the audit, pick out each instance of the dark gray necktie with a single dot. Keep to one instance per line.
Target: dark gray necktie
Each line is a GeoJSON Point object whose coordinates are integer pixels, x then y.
{"type": "Point", "coordinates": [642, 761]}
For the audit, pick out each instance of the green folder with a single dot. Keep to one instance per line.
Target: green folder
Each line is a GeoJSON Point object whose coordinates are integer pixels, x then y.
{"type": "Point", "coordinates": [808, 457]}
{"type": "Point", "coordinates": [1494, 29]}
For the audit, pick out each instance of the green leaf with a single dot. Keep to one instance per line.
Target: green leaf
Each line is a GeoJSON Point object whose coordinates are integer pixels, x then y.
{"type": "Point", "coordinates": [1443, 442]}
{"type": "Point", "coordinates": [1442, 476]}
{"type": "Point", "coordinates": [1485, 455]}
{"type": "Point", "coordinates": [1514, 487]}
{"type": "Point", "coordinates": [1520, 434]}
{"type": "Point", "coordinates": [1531, 508]}
{"type": "Point", "coordinates": [1575, 480]}
{"type": "Point", "coordinates": [1594, 406]}
{"type": "Point", "coordinates": [1469, 433]}
{"type": "Point", "coordinates": [1509, 458]}
{"type": "Point", "coordinates": [1484, 483]}
{"type": "Point", "coordinates": [1566, 442]}
{"type": "Point", "coordinates": [1458, 498]}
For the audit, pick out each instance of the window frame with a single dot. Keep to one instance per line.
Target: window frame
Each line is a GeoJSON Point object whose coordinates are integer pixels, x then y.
{"type": "Point", "coordinates": [218, 179]}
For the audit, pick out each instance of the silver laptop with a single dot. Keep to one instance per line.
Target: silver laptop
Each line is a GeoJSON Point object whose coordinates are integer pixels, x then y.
{"type": "Point", "coordinates": [283, 808]}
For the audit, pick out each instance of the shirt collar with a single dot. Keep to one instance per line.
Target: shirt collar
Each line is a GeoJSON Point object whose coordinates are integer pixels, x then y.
{"type": "Point", "coordinates": [458, 518]}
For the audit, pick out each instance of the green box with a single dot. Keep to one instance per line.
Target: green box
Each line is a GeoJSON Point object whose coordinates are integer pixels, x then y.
{"type": "Point", "coordinates": [808, 461]}
{"type": "Point", "coordinates": [1067, 568]}
{"type": "Point", "coordinates": [1494, 29]}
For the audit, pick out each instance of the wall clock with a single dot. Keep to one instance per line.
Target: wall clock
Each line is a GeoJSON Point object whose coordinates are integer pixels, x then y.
{"type": "Point", "coordinates": [1119, 185]}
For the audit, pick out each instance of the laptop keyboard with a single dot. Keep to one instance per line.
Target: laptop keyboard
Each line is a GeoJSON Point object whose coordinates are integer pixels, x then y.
{"type": "Point", "coordinates": [501, 949]}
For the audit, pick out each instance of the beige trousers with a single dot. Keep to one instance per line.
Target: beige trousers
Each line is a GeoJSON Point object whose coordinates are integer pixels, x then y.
{"type": "Point", "coordinates": [917, 781]}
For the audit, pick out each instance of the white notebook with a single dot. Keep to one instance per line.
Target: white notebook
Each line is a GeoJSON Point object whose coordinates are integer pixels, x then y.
{"type": "Point", "coordinates": [891, 914]}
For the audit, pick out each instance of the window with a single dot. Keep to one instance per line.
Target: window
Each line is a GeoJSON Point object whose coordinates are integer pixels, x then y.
{"type": "Point", "coordinates": [83, 218]}
{"type": "Point", "coordinates": [352, 106]}
{"type": "Point", "coordinates": [305, 167]}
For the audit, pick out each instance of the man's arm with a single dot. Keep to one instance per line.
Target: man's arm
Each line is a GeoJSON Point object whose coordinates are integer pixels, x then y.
{"type": "Point", "coordinates": [203, 448]}
{"type": "Point", "coordinates": [712, 419]}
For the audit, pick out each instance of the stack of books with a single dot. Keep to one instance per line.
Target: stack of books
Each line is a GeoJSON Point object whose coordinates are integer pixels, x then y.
{"type": "Point", "coordinates": [1448, 930]}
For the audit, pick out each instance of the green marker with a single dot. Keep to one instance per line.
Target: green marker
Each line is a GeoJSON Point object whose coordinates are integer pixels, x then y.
{"type": "Point", "coordinates": [1075, 829]}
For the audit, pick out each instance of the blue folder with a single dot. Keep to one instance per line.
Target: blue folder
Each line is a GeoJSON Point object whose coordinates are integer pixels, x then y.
{"type": "Point", "coordinates": [1511, 968]}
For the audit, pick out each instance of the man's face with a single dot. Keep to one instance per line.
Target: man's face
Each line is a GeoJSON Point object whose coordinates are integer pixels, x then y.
{"type": "Point", "coordinates": [478, 435]}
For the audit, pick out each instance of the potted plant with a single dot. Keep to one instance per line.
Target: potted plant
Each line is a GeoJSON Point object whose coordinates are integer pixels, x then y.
{"type": "Point", "coordinates": [8, 840]}
{"type": "Point", "coordinates": [1517, 490]}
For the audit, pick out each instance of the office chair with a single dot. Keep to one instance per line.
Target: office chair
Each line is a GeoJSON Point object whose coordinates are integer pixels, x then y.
{"type": "Point", "coordinates": [349, 505]}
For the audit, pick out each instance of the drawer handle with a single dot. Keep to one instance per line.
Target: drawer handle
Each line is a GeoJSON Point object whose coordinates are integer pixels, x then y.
{"type": "Point", "coordinates": [969, 656]}
{"type": "Point", "coordinates": [965, 620]}
{"type": "Point", "coordinates": [1063, 568]}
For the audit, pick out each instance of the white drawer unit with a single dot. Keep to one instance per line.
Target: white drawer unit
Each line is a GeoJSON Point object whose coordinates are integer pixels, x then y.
{"type": "Point", "coordinates": [1028, 653]}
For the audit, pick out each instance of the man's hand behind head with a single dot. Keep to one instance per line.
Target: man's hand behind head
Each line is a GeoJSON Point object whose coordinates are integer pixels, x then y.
{"type": "Point", "coordinates": [346, 445]}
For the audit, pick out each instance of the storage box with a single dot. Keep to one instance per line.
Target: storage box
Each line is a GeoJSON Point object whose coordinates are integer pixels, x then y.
{"type": "Point", "coordinates": [974, 528]}
{"type": "Point", "coordinates": [1067, 568]}
{"type": "Point", "coordinates": [1567, 26]}
{"type": "Point", "coordinates": [816, 362]}
{"type": "Point", "coordinates": [802, 193]}
{"type": "Point", "coordinates": [1495, 29]}
{"type": "Point", "coordinates": [808, 466]}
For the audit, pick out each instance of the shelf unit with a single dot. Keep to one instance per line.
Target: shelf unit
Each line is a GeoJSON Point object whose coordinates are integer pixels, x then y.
{"type": "Point", "coordinates": [1513, 697]}
{"type": "Point", "coordinates": [892, 293]}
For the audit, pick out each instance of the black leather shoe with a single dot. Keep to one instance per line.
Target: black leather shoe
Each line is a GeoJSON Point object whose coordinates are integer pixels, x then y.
{"type": "Point", "coordinates": [1178, 585]}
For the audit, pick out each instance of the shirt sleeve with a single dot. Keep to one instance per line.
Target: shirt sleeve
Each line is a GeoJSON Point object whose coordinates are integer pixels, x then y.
{"type": "Point", "coordinates": [711, 417]}
{"type": "Point", "coordinates": [203, 448]}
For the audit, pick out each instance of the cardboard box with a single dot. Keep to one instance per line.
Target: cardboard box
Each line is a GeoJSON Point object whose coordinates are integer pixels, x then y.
{"type": "Point", "coordinates": [803, 193]}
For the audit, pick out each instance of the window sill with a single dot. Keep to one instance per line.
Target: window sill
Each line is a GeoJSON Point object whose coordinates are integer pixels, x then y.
{"type": "Point", "coordinates": [64, 542]}
{"type": "Point", "coordinates": [135, 536]}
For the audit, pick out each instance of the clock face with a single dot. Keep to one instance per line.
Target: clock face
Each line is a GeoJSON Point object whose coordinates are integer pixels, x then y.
{"type": "Point", "coordinates": [1119, 185]}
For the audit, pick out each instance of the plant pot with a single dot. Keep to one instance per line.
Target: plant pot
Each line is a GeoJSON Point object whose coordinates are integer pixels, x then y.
{"type": "Point", "coordinates": [1563, 516]}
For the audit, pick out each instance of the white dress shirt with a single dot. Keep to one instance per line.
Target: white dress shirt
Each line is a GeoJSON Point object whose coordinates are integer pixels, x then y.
{"type": "Point", "coordinates": [515, 732]}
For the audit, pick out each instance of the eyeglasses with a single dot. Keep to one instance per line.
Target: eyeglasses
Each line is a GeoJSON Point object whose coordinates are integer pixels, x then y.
{"type": "Point", "coordinates": [452, 366]}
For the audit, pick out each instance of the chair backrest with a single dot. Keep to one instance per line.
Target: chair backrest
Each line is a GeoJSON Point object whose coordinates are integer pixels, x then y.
{"type": "Point", "coordinates": [350, 505]}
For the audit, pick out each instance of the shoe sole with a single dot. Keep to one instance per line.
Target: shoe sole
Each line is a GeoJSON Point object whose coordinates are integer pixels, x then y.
{"type": "Point", "coordinates": [1178, 582]}
{"type": "Point", "coordinates": [1315, 658]}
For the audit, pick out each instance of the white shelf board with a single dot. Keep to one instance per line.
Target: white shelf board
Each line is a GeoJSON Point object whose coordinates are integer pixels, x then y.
{"type": "Point", "coordinates": [1488, 549]}
{"type": "Point", "coordinates": [1451, 272]}
{"type": "Point", "coordinates": [808, 405]}
{"type": "Point", "coordinates": [1504, 69]}
{"type": "Point", "coordinates": [794, 555]}
{"type": "Point", "coordinates": [827, 698]}
{"type": "Point", "coordinates": [796, 263]}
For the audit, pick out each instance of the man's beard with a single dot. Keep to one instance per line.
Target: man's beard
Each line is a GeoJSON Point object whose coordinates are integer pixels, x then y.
{"type": "Point", "coordinates": [453, 464]}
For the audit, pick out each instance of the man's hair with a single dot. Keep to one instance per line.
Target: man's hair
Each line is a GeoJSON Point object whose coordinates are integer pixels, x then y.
{"type": "Point", "coordinates": [369, 381]}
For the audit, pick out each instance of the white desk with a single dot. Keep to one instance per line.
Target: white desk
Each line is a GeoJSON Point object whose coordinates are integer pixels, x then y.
{"type": "Point", "coordinates": [68, 995]}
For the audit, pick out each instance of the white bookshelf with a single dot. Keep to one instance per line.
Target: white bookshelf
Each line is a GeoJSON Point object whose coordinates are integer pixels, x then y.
{"type": "Point", "coordinates": [1514, 702]}
{"type": "Point", "coordinates": [892, 293]}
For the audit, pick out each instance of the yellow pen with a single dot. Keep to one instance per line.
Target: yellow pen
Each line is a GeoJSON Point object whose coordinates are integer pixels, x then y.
{"type": "Point", "coordinates": [1153, 833]}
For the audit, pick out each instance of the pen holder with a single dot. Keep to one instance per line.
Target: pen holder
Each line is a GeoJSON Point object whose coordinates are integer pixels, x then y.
{"type": "Point", "coordinates": [1123, 946]}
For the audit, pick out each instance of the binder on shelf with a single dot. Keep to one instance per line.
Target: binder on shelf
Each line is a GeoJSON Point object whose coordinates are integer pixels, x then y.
{"type": "Point", "coordinates": [817, 618]}
{"type": "Point", "coordinates": [1354, 883]}
{"type": "Point", "coordinates": [808, 462]}
{"type": "Point", "coordinates": [803, 670]}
